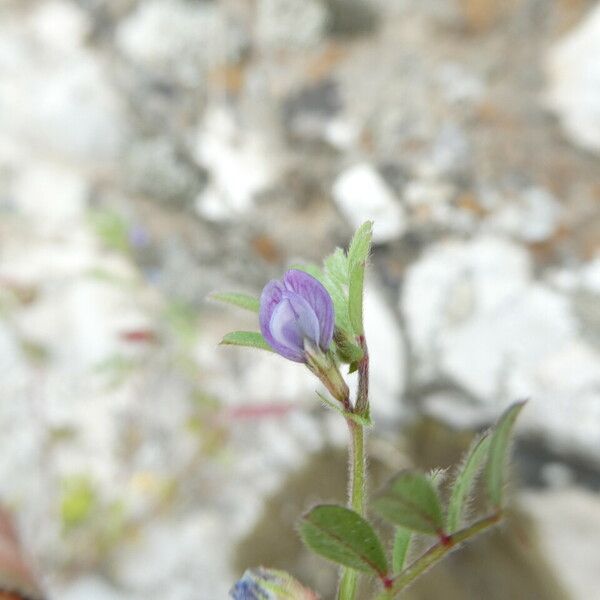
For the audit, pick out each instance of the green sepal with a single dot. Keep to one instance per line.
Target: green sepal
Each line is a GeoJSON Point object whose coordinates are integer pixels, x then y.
{"type": "Point", "coordinates": [341, 535]}
{"type": "Point", "coordinates": [365, 421]}
{"type": "Point", "coordinates": [346, 350]}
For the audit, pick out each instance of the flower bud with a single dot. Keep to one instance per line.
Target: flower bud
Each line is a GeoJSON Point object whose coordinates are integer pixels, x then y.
{"type": "Point", "coordinates": [269, 584]}
{"type": "Point", "coordinates": [296, 314]}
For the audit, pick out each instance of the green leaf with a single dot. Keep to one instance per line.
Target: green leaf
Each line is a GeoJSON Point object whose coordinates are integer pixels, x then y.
{"type": "Point", "coordinates": [498, 453]}
{"type": "Point", "coordinates": [360, 246]}
{"type": "Point", "coordinates": [336, 267]}
{"type": "Point", "coordinates": [236, 299]}
{"type": "Point", "coordinates": [344, 537]}
{"type": "Point", "coordinates": [251, 339]}
{"type": "Point", "coordinates": [402, 539]}
{"type": "Point", "coordinates": [335, 280]}
{"type": "Point", "coordinates": [411, 501]}
{"type": "Point", "coordinates": [357, 257]}
{"type": "Point", "coordinates": [463, 485]}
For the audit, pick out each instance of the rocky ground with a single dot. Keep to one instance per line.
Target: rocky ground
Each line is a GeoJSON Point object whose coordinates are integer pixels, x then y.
{"type": "Point", "coordinates": [152, 151]}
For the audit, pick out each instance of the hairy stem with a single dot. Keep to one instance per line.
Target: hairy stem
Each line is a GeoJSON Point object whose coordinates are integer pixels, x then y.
{"type": "Point", "coordinates": [435, 554]}
{"type": "Point", "coordinates": [357, 467]}
{"type": "Point", "coordinates": [349, 580]}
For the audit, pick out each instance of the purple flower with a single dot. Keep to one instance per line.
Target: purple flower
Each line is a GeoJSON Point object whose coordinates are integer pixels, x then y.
{"type": "Point", "coordinates": [296, 313]}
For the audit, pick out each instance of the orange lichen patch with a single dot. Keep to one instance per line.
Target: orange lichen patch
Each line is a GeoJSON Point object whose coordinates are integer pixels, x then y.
{"type": "Point", "coordinates": [229, 78]}
{"type": "Point", "coordinates": [481, 15]}
{"type": "Point", "coordinates": [423, 213]}
{"type": "Point", "coordinates": [490, 113]}
{"type": "Point", "coordinates": [468, 201]}
{"type": "Point", "coordinates": [544, 251]}
{"type": "Point", "coordinates": [321, 65]}
{"type": "Point", "coordinates": [266, 248]}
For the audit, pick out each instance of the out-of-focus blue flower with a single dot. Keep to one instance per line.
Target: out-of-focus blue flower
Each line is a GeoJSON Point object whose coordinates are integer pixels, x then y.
{"type": "Point", "coordinates": [269, 584]}
{"type": "Point", "coordinates": [296, 313]}
{"type": "Point", "coordinates": [139, 237]}
{"type": "Point", "coordinates": [248, 588]}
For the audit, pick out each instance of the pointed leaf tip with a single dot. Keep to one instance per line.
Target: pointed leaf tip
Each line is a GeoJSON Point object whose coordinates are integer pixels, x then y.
{"type": "Point", "coordinates": [250, 339]}
{"type": "Point", "coordinates": [240, 300]}
{"type": "Point", "coordinates": [495, 469]}
{"type": "Point", "coordinates": [358, 253]}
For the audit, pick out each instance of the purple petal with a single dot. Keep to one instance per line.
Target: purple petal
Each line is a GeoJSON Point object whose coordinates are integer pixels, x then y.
{"type": "Point", "coordinates": [286, 345]}
{"type": "Point", "coordinates": [299, 314]}
{"type": "Point", "coordinates": [318, 298]}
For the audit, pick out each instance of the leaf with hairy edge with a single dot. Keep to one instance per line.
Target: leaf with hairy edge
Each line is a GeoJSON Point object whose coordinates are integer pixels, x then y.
{"type": "Point", "coordinates": [360, 246]}
{"type": "Point", "coordinates": [236, 299]}
{"type": "Point", "coordinates": [251, 339]}
{"type": "Point", "coordinates": [498, 453]}
{"type": "Point", "coordinates": [402, 539]}
{"type": "Point", "coordinates": [357, 257]}
{"type": "Point", "coordinates": [411, 501]}
{"type": "Point", "coordinates": [344, 537]}
{"type": "Point", "coordinates": [463, 485]}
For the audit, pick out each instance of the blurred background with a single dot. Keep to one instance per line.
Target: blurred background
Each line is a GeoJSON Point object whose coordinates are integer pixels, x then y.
{"type": "Point", "coordinates": [153, 151]}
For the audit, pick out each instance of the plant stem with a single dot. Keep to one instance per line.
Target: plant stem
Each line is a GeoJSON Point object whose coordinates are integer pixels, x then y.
{"type": "Point", "coordinates": [357, 466]}
{"type": "Point", "coordinates": [349, 580]}
{"type": "Point", "coordinates": [435, 554]}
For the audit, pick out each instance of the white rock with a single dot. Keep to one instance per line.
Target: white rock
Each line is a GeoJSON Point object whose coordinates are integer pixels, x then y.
{"type": "Point", "coordinates": [177, 39]}
{"type": "Point", "coordinates": [90, 588]}
{"type": "Point", "coordinates": [456, 411]}
{"type": "Point", "coordinates": [533, 217]}
{"type": "Point", "coordinates": [574, 86]}
{"type": "Point", "coordinates": [453, 280]}
{"type": "Point", "coordinates": [285, 24]}
{"type": "Point", "coordinates": [500, 349]}
{"type": "Point", "coordinates": [66, 108]}
{"type": "Point", "coordinates": [154, 168]}
{"type": "Point", "coordinates": [361, 194]}
{"type": "Point", "coordinates": [387, 358]}
{"type": "Point", "coordinates": [51, 195]}
{"type": "Point", "coordinates": [476, 317]}
{"type": "Point", "coordinates": [240, 164]}
{"type": "Point", "coordinates": [590, 276]}
{"type": "Point", "coordinates": [59, 25]}
{"type": "Point", "coordinates": [458, 84]}
{"type": "Point", "coordinates": [567, 523]}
